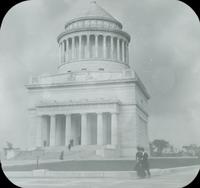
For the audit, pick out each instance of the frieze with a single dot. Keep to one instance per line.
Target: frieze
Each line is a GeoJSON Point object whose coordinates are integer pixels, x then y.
{"type": "Point", "coordinates": [77, 108]}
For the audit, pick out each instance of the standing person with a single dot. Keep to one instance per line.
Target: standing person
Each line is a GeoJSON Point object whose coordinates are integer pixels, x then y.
{"type": "Point", "coordinates": [62, 155]}
{"type": "Point", "coordinates": [69, 146]}
{"type": "Point", "coordinates": [139, 166]}
{"type": "Point", "coordinates": [145, 162]}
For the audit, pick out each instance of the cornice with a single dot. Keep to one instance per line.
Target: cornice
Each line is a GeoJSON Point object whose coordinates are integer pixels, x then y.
{"type": "Point", "coordinates": [119, 32]}
{"type": "Point", "coordinates": [78, 83]}
{"type": "Point", "coordinates": [89, 83]}
{"type": "Point", "coordinates": [93, 59]}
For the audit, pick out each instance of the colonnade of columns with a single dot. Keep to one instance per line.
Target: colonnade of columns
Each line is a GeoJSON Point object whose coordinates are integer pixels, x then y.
{"type": "Point", "coordinates": [84, 129]}
{"type": "Point", "coordinates": [93, 46]}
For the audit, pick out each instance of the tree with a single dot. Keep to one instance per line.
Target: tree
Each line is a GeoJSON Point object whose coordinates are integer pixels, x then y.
{"type": "Point", "coordinates": [160, 144]}
{"type": "Point", "coordinates": [192, 149]}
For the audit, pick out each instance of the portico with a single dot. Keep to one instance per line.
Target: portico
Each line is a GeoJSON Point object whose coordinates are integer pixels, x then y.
{"type": "Point", "coordinates": [83, 124]}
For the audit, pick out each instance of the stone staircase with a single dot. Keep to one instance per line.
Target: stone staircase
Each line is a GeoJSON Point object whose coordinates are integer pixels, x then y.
{"type": "Point", "coordinates": [27, 155]}
{"type": "Point", "coordinates": [54, 153]}
{"type": "Point", "coordinates": [42, 154]}
{"type": "Point", "coordinates": [81, 152]}
{"type": "Point", "coordinates": [78, 155]}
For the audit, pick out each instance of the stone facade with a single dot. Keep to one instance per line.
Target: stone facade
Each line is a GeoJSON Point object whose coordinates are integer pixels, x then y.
{"type": "Point", "coordinates": [94, 98]}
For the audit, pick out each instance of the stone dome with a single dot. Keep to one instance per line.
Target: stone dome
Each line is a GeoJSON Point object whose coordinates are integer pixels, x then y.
{"type": "Point", "coordinates": [93, 41]}
{"type": "Point", "coordinates": [95, 12]}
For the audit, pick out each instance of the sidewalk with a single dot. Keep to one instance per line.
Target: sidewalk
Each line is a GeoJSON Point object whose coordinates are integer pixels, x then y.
{"type": "Point", "coordinates": [43, 173]}
{"type": "Point", "coordinates": [25, 162]}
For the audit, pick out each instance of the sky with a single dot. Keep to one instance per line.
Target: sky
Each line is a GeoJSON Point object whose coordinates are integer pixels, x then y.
{"type": "Point", "coordinates": [164, 52]}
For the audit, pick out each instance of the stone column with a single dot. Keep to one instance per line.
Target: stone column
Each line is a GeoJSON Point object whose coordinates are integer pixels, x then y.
{"type": "Point", "coordinates": [60, 54]}
{"type": "Point", "coordinates": [67, 129]}
{"type": "Point", "coordinates": [39, 131]}
{"type": "Point", "coordinates": [87, 46]}
{"type": "Point", "coordinates": [114, 129]}
{"type": "Point", "coordinates": [111, 48]}
{"type": "Point", "coordinates": [64, 50]}
{"type": "Point", "coordinates": [118, 49]}
{"type": "Point", "coordinates": [146, 135]}
{"type": "Point", "coordinates": [123, 54]}
{"type": "Point", "coordinates": [83, 129]}
{"type": "Point", "coordinates": [99, 129]}
{"type": "Point", "coordinates": [104, 47]}
{"type": "Point", "coordinates": [53, 130]}
{"type": "Point", "coordinates": [127, 54]}
{"type": "Point", "coordinates": [67, 50]}
{"type": "Point", "coordinates": [73, 47]}
{"type": "Point", "coordinates": [96, 46]}
{"type": "Point", "coordinates": [80, 47]}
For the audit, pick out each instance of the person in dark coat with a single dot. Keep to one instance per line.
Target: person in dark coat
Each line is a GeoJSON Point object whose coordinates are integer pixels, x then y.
{"type": "Point", "coordinates": [62, 155]}
{"type": "Point", "coordinates": [145, 162]}
{"type": "Point", "coordinates": [139, 165]}
{"type": "Point", "coordinates": [69, 146]}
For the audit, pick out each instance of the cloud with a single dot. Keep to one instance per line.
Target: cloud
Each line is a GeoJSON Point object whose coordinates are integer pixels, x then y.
{"type": "Point", "coordinates": [164, 51]}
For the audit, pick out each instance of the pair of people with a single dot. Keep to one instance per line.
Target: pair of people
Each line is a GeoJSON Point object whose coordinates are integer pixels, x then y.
{"type": "Point", "coordinates": [142, 163]}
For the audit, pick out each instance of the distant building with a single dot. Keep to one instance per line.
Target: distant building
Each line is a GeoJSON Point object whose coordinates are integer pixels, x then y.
{"type": "Point", "coordinates": [94, 99]}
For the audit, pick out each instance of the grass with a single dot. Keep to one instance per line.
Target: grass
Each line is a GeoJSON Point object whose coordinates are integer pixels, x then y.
{"type": "Point", "coordinates": [105, 165]}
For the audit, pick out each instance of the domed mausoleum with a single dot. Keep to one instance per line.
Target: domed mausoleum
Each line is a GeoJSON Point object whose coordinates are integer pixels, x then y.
{"type": "Point", "coordinates": [94, 101]}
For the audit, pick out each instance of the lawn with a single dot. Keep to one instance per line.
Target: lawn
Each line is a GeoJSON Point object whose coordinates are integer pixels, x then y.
{"type": "Point", "coordinates": [106, 165]}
